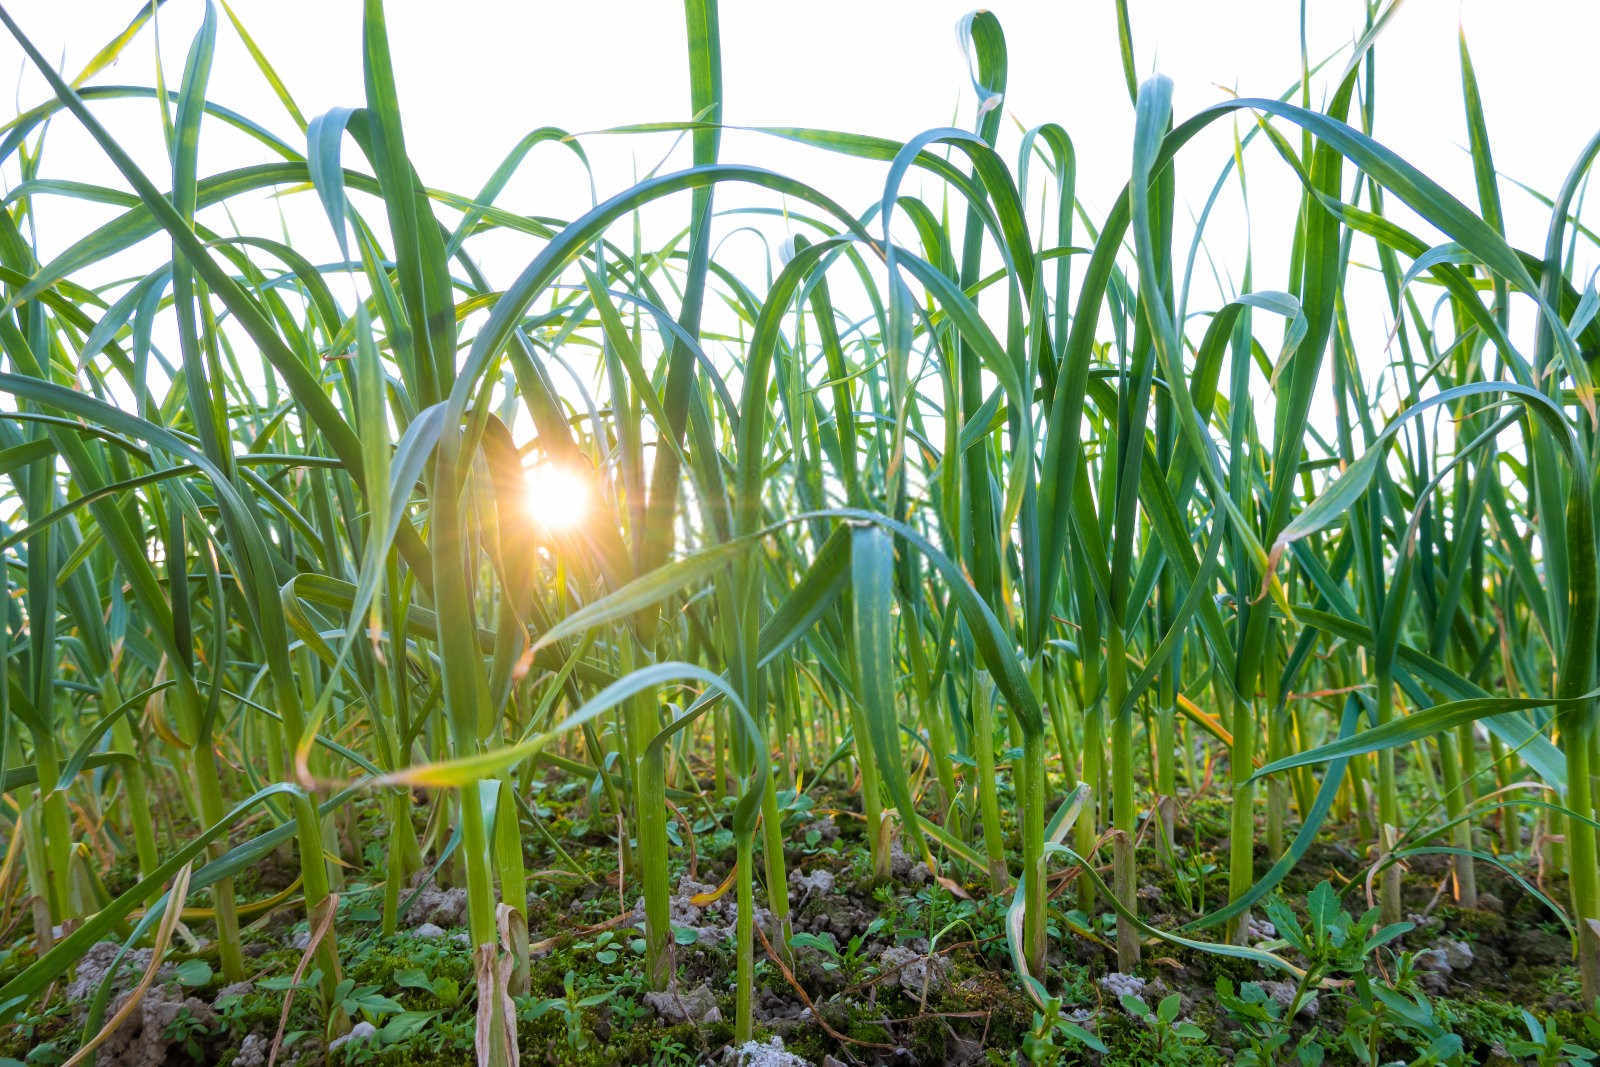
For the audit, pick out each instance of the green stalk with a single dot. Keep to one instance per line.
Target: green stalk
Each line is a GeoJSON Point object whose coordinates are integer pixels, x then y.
{"type": "Point", "coordinates": [1094, 773]}
{"type": "Point", "coordinates": [1166, 729]}
{"type": "Point", "coordinates": [57, 833]}
{"type": "Point", "coordinates": [395, 874]}
{"type": "Point", "coordinates": [1186, 739]}
{"type": "Point", "coordinates": [314, 883]}
{"type": "Point", "coordinates": [1504, 775]}
{"type": "Point", "coordinates": [133, 776]}
{"type": "Point", "coordinates": [722, 784]}
{"type": "Point", "coordinates": [803, 733]}
{"type": "Point", "coordinates": [933, 718]}
{"type": "Point", "coordinates": [650, 820]}
{"type": "Point", "coordinates": [744, 938]}
{"type": "Point", "coordinates": [1033, 801]}
{"type": "Point", "coordinates": [1167, 686]}
{"type": "Point", "coordinates": [1467, 743]}
{"type": "Point", "coordinates": [1578, 734]}
{"type": "Point", "coordinates": [312, 851]}
{"type": "Point", "coordinates": [988, 798]}
{"type": "Point", "coordinates": [38, 869]}
{"type": "Point", "coordinates": [513, 881]}
{"type": "Point", "coordinates": [1124, 815]}
{"type": "Point", "coordinates": [1578, 730]}
{"type": "Point", "coordinates": [1455, 802]}
{"type": "Point", "coordinates": [1360, 775]}
{"type": "Point", "coordinates": [230, 949]}
{"type": "Point", "coordinates": [1279, 724]}
{"type": "Point", "coordinates": [871, 796]}
{"type": "Point", "coordinates": [480, 880]}
{"type": "Point", "coordinates": [776, 869]}
{"type": "Point", "coordinates": [1277, 785]}
{"type": "Point", "coordinates": [1388, 806]}
{"type": "Point", "coordinates": [1241, 819]}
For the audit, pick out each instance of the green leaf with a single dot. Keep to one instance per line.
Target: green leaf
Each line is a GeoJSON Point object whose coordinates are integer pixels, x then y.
{"type": "Point", "coordinates": [413, 978]}
{"type": "Point", "coordinates": [404, 1026]}
{"type": "Point", "coordinates": [193, 973]}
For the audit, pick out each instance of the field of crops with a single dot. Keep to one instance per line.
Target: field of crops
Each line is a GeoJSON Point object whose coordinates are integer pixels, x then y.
{"type": "Point", "coordinates": [980, 628]}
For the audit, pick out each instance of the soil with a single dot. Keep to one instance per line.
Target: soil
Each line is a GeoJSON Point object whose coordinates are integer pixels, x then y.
{"type": "Point", "coordinates": [896, 973]}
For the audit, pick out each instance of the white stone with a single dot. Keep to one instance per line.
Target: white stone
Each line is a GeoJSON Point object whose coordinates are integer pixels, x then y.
{"type": "Point", "coordinates": [361, 1031]}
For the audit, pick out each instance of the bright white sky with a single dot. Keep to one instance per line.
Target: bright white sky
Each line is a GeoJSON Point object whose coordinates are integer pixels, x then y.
{"type": "Point", "coordinates": [475, 75]}
{"type": "Point", "coordinates": [473, 81]}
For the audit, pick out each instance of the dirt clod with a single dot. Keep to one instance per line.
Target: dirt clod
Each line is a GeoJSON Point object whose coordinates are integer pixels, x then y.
{"type": "Point", "coordinates": [906, 867]}
{"type": "Point", "coordinates": [144, 1038]}
{"type": "Point", "coordinates": [97, 961]}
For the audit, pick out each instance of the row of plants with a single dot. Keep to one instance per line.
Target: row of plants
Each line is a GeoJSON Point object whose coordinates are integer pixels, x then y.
{"type": "Point", "coordinates": [969, 500]}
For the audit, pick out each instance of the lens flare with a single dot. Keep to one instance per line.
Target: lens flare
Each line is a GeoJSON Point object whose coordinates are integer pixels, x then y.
{"type": "Point", "coordinates": [558, 497]}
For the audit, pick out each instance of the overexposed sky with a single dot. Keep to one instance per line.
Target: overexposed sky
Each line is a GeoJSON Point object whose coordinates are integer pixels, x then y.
{"type": "Point", "coordinates": [475, 76]}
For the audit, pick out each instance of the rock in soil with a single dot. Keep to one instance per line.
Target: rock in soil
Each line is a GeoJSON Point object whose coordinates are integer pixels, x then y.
{"type": "Point", "coordinates": [237, 989]}
{"type": "Point", "coordinates": [362, 1031]}
{"type": "Point", "coordinates": [1424, 922]}
{"type": "Point", "coordinates": [1282, 994]}
{"type": "Point", "coordinates": [817, 881]}
{"type": "Point", "coordinates": [253, 1051]}
{"type": "Point", "coordinates": [916, 969]}
{"type": "Point", "coordinates": [698, 1005]}
{"type": "Point", "coordinates": [1438, 961]}
{"type": "Point", "coordinates": [713, 923]}
{"type": "Point", "coordinates": [1444, 956]}
{"type": "Point", "coordinates": [755, 1054]}
{"type": "Point", "coordinates": [442, 907]}
{"type": "Point", "coordinates": [1120, 985]}
{"type": "Point", "coordinates": [1456, 953]}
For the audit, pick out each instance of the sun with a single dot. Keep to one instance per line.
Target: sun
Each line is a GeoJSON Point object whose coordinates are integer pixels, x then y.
{"type": "Point", "coordinates": [558, 497]}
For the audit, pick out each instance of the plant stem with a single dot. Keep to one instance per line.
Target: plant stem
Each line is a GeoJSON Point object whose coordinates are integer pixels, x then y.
{"type": "Point", "coordinates": [1033, 803]}
{"type": "Point", "coordinates": [1388, 805]}
{"type": "Point", "coordinates": [988, 798]}
{"type": "Point", "coordinates": [1123, 813]}
{"type": "Point", "coordinates": [776, 869]}
{"type": "Point", "coordinates": [1242, 823]}
{"type": "Point", "coordinates": [650, 820]}
{"type": "Point", "coordinates": [744, 939]}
